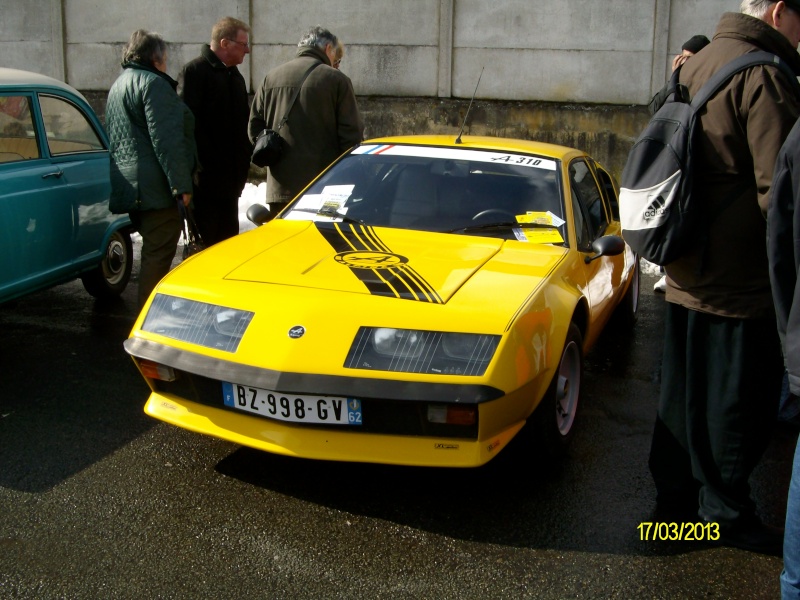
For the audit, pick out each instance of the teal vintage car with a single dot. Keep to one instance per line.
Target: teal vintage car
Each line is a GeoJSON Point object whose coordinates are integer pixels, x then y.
{"type": "Point", "coordinates": [55, 224]}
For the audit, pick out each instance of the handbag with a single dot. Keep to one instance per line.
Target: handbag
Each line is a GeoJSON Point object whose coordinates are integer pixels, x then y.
{"type": "Point", "coordinates": [192, 241]}
{"type": "Point", "coordinates": [269, 144]}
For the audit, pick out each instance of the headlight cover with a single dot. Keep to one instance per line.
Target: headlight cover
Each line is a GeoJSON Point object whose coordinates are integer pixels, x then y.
{"type": "Point", "coordinates": [417, 351]}
{"type": "Point", "coordinates": [209, 325]}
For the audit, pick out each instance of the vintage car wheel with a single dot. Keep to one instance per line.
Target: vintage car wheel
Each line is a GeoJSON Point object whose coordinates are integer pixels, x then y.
{"type": "Point", "coordinates": [554, 419]}
{"type": "Point", "coordinates": [111, 276]}
{"type": "Point", "coordinates": [628, 309]}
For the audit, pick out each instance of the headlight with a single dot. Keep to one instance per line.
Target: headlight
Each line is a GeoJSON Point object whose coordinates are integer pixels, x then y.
{"type": "Point", "coordinates": [417, 351]}
{"type": "Point", "coordinates": [397, 342]}
{"type": "Point", "coordinates": [209, 325]}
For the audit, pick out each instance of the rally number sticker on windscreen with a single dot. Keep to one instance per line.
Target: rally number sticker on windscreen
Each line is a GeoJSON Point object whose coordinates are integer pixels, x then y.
{"type": "Point", "coordinates": [324, 410]}
{"type": "Point", "coordinates": [486, 156]}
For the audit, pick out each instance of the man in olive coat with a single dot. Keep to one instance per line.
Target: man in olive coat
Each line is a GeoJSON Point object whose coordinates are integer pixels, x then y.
{"type": "Point", "coordinates": [722, 364]}
{"type": "Point", "coordinates": [323, 123]}
{"type": "Point", "coordinates": [215, 91]}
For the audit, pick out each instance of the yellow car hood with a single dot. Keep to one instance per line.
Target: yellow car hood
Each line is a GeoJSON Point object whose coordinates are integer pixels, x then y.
{"type": "Point", "coordinates": [305, 271]}
{"type": "Point", "coordinates": [290, 273]}
{"type": "Point", "coordinates": [365, 260]}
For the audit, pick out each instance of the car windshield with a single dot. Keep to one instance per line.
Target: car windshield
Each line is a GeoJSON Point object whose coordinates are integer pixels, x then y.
{"type": "Point", "coordinates": [426, 188]}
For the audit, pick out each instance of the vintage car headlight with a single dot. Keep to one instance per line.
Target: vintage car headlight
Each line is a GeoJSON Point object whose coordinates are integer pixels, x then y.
{"type": "Point", "coordinates": [209, 325]}
{"type": "Point", "coordinates": [397, 342]}
{"type": "Point", "coordinates": [417, 351]}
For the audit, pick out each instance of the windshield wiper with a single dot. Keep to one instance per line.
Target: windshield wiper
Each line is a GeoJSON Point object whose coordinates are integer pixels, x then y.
{"type": "Point", "coordinates": [333, 214]}
{"type": "Point", "coordinates": [501, 225]}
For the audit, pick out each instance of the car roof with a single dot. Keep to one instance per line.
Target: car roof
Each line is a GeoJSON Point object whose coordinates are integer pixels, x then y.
{"type": "Point", "coordinates": [483, 143]}
{"type": "Point", "coordinates": [18, 78]}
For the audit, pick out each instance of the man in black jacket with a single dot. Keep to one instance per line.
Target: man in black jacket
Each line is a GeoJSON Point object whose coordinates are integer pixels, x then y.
{"type": "Point", "coordinates": [215, 91]}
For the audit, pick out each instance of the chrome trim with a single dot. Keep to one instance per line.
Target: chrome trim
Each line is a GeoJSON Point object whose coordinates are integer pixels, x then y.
{"type": "Point", "coordinates": [305, 383]}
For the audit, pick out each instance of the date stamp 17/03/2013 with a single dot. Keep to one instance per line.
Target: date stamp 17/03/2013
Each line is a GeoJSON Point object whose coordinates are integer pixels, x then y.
{"type": "Point", "coordinates": [684, 532]}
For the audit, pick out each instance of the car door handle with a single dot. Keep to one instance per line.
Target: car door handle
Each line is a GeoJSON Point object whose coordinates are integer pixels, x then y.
{"type": "Point", "coordinates": [58, 173]}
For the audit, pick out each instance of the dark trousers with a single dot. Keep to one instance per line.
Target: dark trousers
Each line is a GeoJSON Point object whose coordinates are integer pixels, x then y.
{"type": "Point", "coordinates": [160, 230]}
{"type": "Point", "coordinates": [720, 386]}
{"type": "Point", "coordinates": [216, 215]}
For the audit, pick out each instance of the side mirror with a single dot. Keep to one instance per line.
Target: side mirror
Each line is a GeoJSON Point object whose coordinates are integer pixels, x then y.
{"type": "Point", "coordinates": [258, 214]}
{"type": "Point", "coordinates": [608, 245]}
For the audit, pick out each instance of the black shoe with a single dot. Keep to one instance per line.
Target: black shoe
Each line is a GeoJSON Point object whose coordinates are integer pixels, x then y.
{"type": "Point", "coordinates": [754, 536]}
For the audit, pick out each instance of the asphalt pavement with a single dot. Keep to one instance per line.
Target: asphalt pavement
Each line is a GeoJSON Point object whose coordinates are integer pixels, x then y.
{"type": "Point", "coordinates": [97, 500]}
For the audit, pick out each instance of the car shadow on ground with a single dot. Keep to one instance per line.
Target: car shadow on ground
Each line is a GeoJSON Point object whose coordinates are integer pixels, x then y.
{"type": "Point", "coordinates": [50, 427]}
{"type": "Point", "coordinates": [594, 500]}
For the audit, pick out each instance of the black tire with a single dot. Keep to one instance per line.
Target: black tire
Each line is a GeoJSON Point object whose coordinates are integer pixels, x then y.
{"type": "Point", "coordinates": [111, 276]}
{"type": "Point", "coordinates": [627, 311]}
{"type": "Point", "coordinates": [554, 419]}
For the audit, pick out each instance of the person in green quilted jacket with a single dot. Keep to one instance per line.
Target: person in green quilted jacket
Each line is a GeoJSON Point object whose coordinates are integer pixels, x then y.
{"type": "Point", "coordinates": [153, 153]}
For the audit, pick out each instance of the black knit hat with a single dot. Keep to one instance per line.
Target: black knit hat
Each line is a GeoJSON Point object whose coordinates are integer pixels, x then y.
{"type": "Point", "coordinates": [698, 42]}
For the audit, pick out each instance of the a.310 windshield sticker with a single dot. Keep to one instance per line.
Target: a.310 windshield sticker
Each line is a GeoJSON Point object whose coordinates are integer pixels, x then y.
{"type": "Point", "coordinates": [522, 160]}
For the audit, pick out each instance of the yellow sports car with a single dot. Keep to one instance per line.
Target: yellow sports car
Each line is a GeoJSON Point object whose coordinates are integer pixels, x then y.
{"type": "Point", "coordinates": [419, 303]}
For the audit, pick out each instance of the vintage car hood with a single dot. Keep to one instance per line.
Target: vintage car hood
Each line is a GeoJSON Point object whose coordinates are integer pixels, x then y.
{"type": "Point", "coordinates": [300, 272]}
{"type": "Point", "coordinates": [290, 274]}
{"type": "Point", "coordinates": [365, 260]}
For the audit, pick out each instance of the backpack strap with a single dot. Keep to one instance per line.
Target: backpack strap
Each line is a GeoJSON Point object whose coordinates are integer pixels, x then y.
{"type": "Point", "coordinates": [741, 63]}
{"type": "Point", "coordinates": [676, 88]}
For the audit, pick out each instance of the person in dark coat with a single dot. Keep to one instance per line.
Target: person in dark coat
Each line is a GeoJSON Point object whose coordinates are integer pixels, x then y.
{"type": "Point", "coordinates": [152, 153]}
{"type": "Point", "coordinates": [215, 91]}
{"type": "Point", "coordinates": [783, 248]}
{"type": "Point", "coordinates": [722, 366]}
{"type": "Point", "coordinates": [690, 47]}
{"type": "Point", "coordinates": [323, 123]}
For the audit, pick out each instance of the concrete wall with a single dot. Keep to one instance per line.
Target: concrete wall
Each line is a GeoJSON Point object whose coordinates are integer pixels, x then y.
{"type": "Point", "coordinates": [571, 71]}
{"type": "Point", "coordinates": [614, 51]}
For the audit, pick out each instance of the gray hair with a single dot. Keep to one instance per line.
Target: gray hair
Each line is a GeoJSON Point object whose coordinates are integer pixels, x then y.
{"type": "Point", "coordinates": [756, 8]}
{"type": "Point", "coordinates": [145, 48]}
{"type": "Point", "coordinates": [318, 37]}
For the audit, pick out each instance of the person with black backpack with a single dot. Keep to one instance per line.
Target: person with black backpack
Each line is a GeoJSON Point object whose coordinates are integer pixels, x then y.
{"type": "Point", "coordinates": [722, 364]}
{"type": "Point", "coordinates": [690, 47]}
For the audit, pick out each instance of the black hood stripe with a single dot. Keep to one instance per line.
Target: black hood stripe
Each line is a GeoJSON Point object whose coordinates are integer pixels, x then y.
{"type": "Point", "coordinates": [398, 281]}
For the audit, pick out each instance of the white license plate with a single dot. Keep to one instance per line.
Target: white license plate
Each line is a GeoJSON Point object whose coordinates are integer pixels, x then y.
{"type": "Point", "coordinates": [326, 410]}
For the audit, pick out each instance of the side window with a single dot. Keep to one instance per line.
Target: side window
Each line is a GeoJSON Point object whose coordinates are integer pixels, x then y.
{"type": "Point", "coordinates": [17, 131]}
{"type": "Point", "coordinates": [609, 190]}
{"type": "Point", "coordinates": [67, 128]}
{"type": "Point", "coordinates": [581, 227]}
{"type": "Point", "coordinates": [588, 196]}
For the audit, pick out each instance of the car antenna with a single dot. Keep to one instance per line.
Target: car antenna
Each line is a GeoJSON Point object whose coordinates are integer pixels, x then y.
{"type": "Point", "coordinates": [458, 139]}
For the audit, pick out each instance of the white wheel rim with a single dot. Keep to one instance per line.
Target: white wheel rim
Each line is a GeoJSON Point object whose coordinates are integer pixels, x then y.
{"type": "Point", "coordinates": [114, 261]}
{"type": "Point", "coordinates": [568, 387]}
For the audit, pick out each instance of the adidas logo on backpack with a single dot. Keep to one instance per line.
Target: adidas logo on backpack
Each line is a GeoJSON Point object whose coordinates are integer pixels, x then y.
{"type": "Point", "coordinates": [659, 217]}
{"type": "Point", "coordinates": [656, 209]}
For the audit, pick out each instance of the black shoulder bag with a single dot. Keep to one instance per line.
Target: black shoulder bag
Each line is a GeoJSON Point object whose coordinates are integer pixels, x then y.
{"type": "Point", "coordinates": [269, 143]}
{"type": "Point", "coordinates": [192, 242]}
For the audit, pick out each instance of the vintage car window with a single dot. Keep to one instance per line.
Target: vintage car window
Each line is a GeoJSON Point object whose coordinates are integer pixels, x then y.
{"type": "Point", "coordinates": [67, 128]}
{"type": "Point", "coordinates": [17, 131]}
{"type": "Point", "coordinates": [609, 190]}
{"type": "Point", "coordinates": [589, 197]}
{"type": "Point", "coordinates": [582, 236]}
{"type": "Point", "coordinates": [439, 189]}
